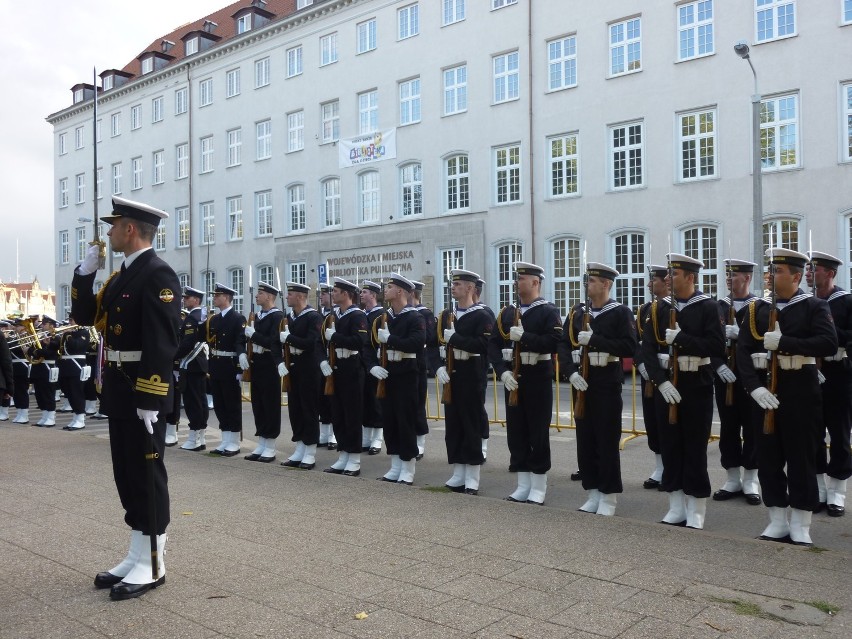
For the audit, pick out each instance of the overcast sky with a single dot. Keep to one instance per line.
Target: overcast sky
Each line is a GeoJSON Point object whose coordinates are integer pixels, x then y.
{"type": "Point", "coordinates": [47, 48]}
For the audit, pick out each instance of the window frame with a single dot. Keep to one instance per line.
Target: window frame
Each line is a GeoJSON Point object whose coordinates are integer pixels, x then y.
{"type": "Point", "coordinates": [62, 143]}
{"type": "Point", "coordinates": [846, 121]}
{"type": "Point", "coordinates": [457, 185]}
{"type": "Point", "coordinates": [777, 125]}
{"type": "Point", "coordinates": [708, 279]}
{"type": "Point", "coordinates": [207, 214]}
{"type": "Point", "coordinates": [507, 168]}
{"type": "Point", "coordinates": [563, 60]}
{"type": "Point", "coordinates": [157, 109]}
{"type": "Point", "coordinates": [262, 72]}
{"type": "Point", "coordinates": [158, 165]}
{"type": "Point", "coordinates": [234, 218]}
{"type": "Point", "coordinates": [135, 117]}
{"type": "Point", "coordinates": [116, 178]}
{"type": "Point", "coordinates": [233, 83]}
{"type": "Point", "coordinates": [567, 273]}
{"type": "Point", "coordinates": [449, 257]}
{"type": "Point", "coordinates": [183, 230]}
{"type": "Point", "coordinates": [263, 213]}
{"type": "Point", "coordinates": [80, 188]}
{"type": "Point", "coordinates": [63, 193]}
{"type": "Point", "coordinates": [625, 43]}
{"type": "Point", "coordinates": [331, 203]}
{"type": "Point", "coordinates": [328, 49]}
{"type": "Point", "coordinates": [773, 6]}
{"type": "Point", "coordinates": [206, 154]}
{"type": "Point", "coordinates": [181, 100]}
{"type": "Point", "coordinates": [64, 247]}
{"type": "Point", "coordinates": [411, 190]}
{"type": "Point", "coordinates": [115, 124]}
{"type": "Point", "coordinates": [296, 131]}
{"type": "Point", "coordinates": [296, 209]}
{"type": "Point", "coordinates": [263, 140]}
{"type": "Point", "coordinates": [502, 79]}
{"type": "Point", "coordinates": [697, 137]}
{"type": "Point", "coordinates": [235, 147]}
{"type": "Point", "coordinates": [409, 104]}
{"type": "Point", "coordinates": [565, 161]}
{"type": "Point", "coordinates": [79, 133]}
{"type": "Point", "coordinates": [366, 36]}
{"type": "Point", "coordinates": [369, 197]}
{"type": "Point", "coordinates": [330, 121]}
{"type": "Point", "coordinates": [636, 278]}
{"type": "Point", "coordinates": [505, 256]}
{"type": "Point", "coordinates": [627, 148]}
{"type": "Point", "coordinates": [182, 161]}
{"type": "Point", "coordinates": [698, 28]}
{"type": "Point", "coordinates": [368, 114]}
{"type": "Point", "coordinates": [458, 89]}
{"type": "Point", "coordinates": [409, 18]}
{"type": "Point", "coordinates": [295, 61]}
{"type": "Point", "coordinates": [205, 92]}
{"type": "Point", "coordinates": [136, 171]}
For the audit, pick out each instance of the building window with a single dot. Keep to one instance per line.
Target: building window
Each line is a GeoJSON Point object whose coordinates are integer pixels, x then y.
{"type": "Point", "coordinates": [506, 77]}
{"type": "Point", "coordinates": [183, 280]}
{"type": "Point", "coordinates": [115, 124]}
{"type": "Point", "coordinates": [847, 12]}
{"type": "Point", "coordinates": [783, 233]}
{"type": "Point", "coordinates": [457, 174]}
{"type": "Point", "coordinates": [98, 129]}
{"type": "Point", "coordinates": [779, 138]}
{"type": "Point", "coordinates": [630, 260]}
{"type": "Point", "coordinates": [453, 11]}
{"type": "Point", "coordinates": [411, 177]}
{"type": "Point", "coordinates": [234, 206]}
{"type": "Point", "coordinates": [774, 19]}
{"type": "Point", "coordinates": [65, 298]}
{"type": "Point", "coordinates": [181, 101]}
{"type": "Point", "coordinates": [209, 283]}
{"type": "Point", "coordinates": [409, 102]}
{"type": "Point", "coordinates": [63, 148]}
{"type": "Point", "coordinates": [208, 224]}
{"type": "Point", "coordinates": [507, 174]}
{"type": "Point", "coordinates": [78, 95]}
{"type": "Point", "coordinates": [181, 161]}
{"type": "Point", "coordinates": [63, 193]}
{"type": "Point", "coordinates": [409, 21]}
{"type": "Point", "coordinates": [81, 188]}
{"type": "Point", "coordinates": [158, 165]}
{"type": "Point", "coordinates": [564, 165]}
{"type": "Point", "coordinates": [846, 142]}
{"type": "Point", "coordinates": [135, 117]}
{"type": "Point", "coordinates": [298, 272]}
{"type": "Point", "coordinates": [232, 83]}
{"type": "Point", "coordinates": [147, 65]}
{"type": "Point", "coordinates": [328, 49]}
{"type": "Point", "coordinates": [625, 47]}
{"type": "Point", "coordinates": [700, 243]}
{"type": "Point", "coordinates": [157, 109]}
{"type": "Point", "coordinates": [368, 112]}
{"type": "Point", "coordinates": [295, 131]}
{"type": "Point", "coordinates": [499, 4]}
{"type": "Point", "coordinates": [261, 73]}
{"type": "Point", "coordinates": [296, 206]}
{"type": "Point", "coordinates": [562, 63]}
{"type": "Point", "coordinates": [99, 180]}
{"type": "Point", "coordinates": [136, 170]}
{"type": "Point", "coordinates": [183, 229]}
{"type": "Point", "coordinates": [697, 145]}
{"type": "Point", "coordinates": [116, 178]}
{"type": "Point", "coordinates": [627, 151]}
{"type": "Point", "coordinates": [330, 203]}
{"type": "Point", "coordinates": [366, 36]}
{"type": "Point", "coordinates": [695, 29]}
{"type": "Point", "coordinates": [82, 245]}
{"type": "Point", "coordinates": [567, 274]}
{"type": "Point", "coordinates": [106, 82]}
{"type": "Point", "coordinates": [294, 61]}
{"type": "Point", "coordinates": [331, 121]}
{"type": "Point", "coordinates": [301, 4]}
{"type": "Point", "coordinates": [207, 154]}
{"type": "Point", "coordinates": [235, 147]}
{"type": "Point", "coordinates": [263, 213]}
{"type": "Point", "coordinates": [507, 255]}
{"type": "Point", "coordinates": [160, 238]}
{"type": "Point", "coordinates": [190, 47]}
{"type": "Point", "coordinates": [244, 23]}
{"type": "Point", "coordinates": [235, 281]}
{"type": "Point", "coordinates": [455, 90]}
{"type": "Point", "coordinates": [205, 92]}
{"type": "Point", "coordinates": [78, 138]}
{"type": "Point", "coordinates": [264, 140]}
{"type": "Point", "coordinates": [369, 197]}
{"type": "Point", "coordinates": [451, 258]}
{"type": "Point", "coordinates": [64, 252]}
{"type": "Point", "coordinates": [266, 274]}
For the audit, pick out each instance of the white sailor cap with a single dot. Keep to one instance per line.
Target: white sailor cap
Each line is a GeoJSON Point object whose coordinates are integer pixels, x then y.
{"type": "Point", "coordinates": [401, 281]}
{"type": "Point", "coordinates": [818, 258]}
{"type": "Point", "coordinates": [739, 266]}
{"type": "Point", "coordinates": [267, 288]}
{"type": "Point", "coordinates": [296, 287]}
{"type": "Point", "coordinates": [345, 285]}
{"type": "Point", "coordinates": [461, 275]}
{"type": "Point", "coordinates": [684, 262]}
{"type": "Point", "coordinates": [525, 268]}
{"type": "Point", "coordinates": [657, 270]}
{"type": "Point", "coordinates": [221, 288]}
{"type": "Point", "coordinates": [122, 207]}
{"type": "Point", "coordinates": [418, 286]}
{"type": "Point", "coordinates": [370, 285]}
{"type": "Point", "coordinates": [786, 256]}
{"type": "Point", "coordinates": [188, 291]}
{"type": "Point", "coordinates": [601, 270]}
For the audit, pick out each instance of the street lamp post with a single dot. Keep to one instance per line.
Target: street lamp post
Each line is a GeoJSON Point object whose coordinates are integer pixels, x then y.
{"type": "Point", "coordinates": [742, 50]}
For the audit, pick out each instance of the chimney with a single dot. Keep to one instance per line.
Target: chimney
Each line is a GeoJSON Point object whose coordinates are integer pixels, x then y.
{"type": "Point", "coordinates": [210, 26]}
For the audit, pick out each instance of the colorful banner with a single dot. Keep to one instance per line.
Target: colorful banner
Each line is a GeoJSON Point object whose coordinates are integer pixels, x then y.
{"type": "Point", "coordinates": [367, 149]}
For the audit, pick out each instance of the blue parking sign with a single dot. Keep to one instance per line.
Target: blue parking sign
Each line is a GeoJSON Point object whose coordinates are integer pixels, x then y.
{"type": "Point", "coordinates": [322, 273]}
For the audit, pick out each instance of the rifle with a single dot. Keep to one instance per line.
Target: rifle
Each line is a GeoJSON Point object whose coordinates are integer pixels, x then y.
{"type": "Point", "coordinates": [380, 387]}
{"type": "Point", "coordinates": [447, 394]}
{"type": "Point", "coordinates": [772, 368]}
{"type": "Point", "coordinates": [673, 367]}
{"type": "Point", "coordinates": [96, 235]}
{"type": "Point", "coordinates": [285, 381]}
{"type": "Point", "coordinates": [516, 356]}
{"type": "Point", "coordinates": [580, 404]}
{"type": "Point", "coordinates": [332, 356]}
{"type": "Point", "coordinates": [647, 385]}
{"type": "Point", "coordinates": [731, 349]}
{"type": "Point", "coordinates": [249, 350]}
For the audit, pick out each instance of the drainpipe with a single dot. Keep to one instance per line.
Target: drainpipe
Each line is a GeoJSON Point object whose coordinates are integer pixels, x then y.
{"type": "Point", "coordinates": [531, 142]}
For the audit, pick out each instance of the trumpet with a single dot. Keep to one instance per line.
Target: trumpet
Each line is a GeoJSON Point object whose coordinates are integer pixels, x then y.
{"type": "Point", "coordinates": [33, 337]}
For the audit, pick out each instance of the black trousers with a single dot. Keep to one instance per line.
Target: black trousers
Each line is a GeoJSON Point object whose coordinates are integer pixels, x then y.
{"type": "Point", "coordinates": [737, 432]}
{"type": "Point", "coordinates": [598, 436]}
{"type": "Point", "coordinates": [399, 412]}
{"type": "Point", "coordinates": [227, 403]}
{"type": "Point", "coordinates": [347, 403]}
{"type": "Point", "coordinates": [174, 414]}
{"type": "Point", "coordinates": [129, 443]}
{"type": "Point", "coordinates": [45, 394]}
{"type": "Point", "coordinates": [303, 399]}
{"type": "Point", "coordinates": [72, 387]}
{"type": "Point", "coordinates": [837, 420]}
{"type": "Point", "coordinates": [528, 423]}
{"type": "Point", "coordinates": [649, 416]}
{"type": "Point", "coordinates": [421, 426]}
{"type": "Point", "coordinates": [464, 414]}
{"type": "Point", "coordinates": [265, 396]}
{"type": "Point", "coordinates": [22, 395]}
{"type": "Point", "coordinates": [371, 411]}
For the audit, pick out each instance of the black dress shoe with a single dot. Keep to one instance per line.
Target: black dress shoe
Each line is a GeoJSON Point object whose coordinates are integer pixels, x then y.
{"type": "Point", "coordinates": [230, 453]}
{"type": "Point", "coordinates": [456, 489]}
{"type": "Point", "coordinates": [406, 483]}
{"type": "Point", "coordinates": [352, 473]}
{"type": "Point", "coordinates": [106, 580]}
{"type": "Point", "coordinates": [537, 503]}
{"type": "Point", "coordinates": [334, 471]}
{"type": "Point", "coordinates": [291, 463]}
{"type": "Point", "coordinates": [820, 507]}
{"type": "Point", "coordinates": [252, 457]}
{"type": "Point", "coordinates": [122, 591]}
{"type": "Point", "coordinates": [650, 483]}
{"type": "Point", "coordinates": [678, 524]}
{"type": "Point", "coordinates": [575, 476]}
{"type": "Point", "coordinates": [513, 500]}
{"type": "Point", "coordinates": [304, 466]}
{"type": "Point", "coordinates": [374, 451]}
{"type": "Point", "coordinates": [383, 478]}
{"type": "Point", "coordinates": [216, 451]}
{"type": "Point", "coordinates": [725, 495]}
{"type": "Point", "coordinates": [266, 460]}
{"type": "Point", "coordinates": [806, 544]}
{"type": "Point", "coordinates": [332, 446]}
{"type": "Point", "coordinates": [364, 449]}
{"type": "Point", "coordinates": [196, 449]}
{"type": "Point", "coordinates": [471, 491]}
{"type": "Point", "coordinates": [419, 457]}
{"type": "Point", "coordinates": [781, 540]}
{"type": "Point", "coordinates": [172, 444]}
{"type": "Point", "coordinates": [753, 500]}
{"type": "Point", "coordinates": [835, 511]}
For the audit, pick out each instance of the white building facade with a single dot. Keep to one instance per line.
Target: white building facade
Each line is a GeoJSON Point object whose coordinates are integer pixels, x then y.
{"type": "Point", "coordinates": [378, 135]}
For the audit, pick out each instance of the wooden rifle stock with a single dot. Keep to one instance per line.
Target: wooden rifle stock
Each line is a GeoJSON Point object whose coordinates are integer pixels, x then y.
{"type": "Point", "coordinates": [249, 351]}
{"type": "Point", "coordinates": [772, 376]}
{"type": "Point", "coordinates": [380, 387]}
{"type": "Point", "coordinates": [580, 403]}
{"type": "Point", "coordinates": [732, 358]}
{"type": "Point", "coordinates": [516, 359]}
{"type": "Point", "coordinates": [332, 358]}
{"type": "Point", "coordinates": [673, 367]}
{"type": "Point", "coordinates": [285, 381]}
{"type": "Point", "coordinates": [447, 393]}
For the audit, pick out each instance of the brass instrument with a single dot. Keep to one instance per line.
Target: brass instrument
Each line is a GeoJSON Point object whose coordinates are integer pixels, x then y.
{"type": "Point", "coordinates": [34, 337]}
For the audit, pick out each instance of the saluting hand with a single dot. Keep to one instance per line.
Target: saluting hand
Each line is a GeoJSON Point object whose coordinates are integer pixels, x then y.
{"type": "Point", "coordinates": [90, 263]}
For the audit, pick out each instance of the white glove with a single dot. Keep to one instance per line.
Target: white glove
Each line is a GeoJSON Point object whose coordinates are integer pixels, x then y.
{"type": "Point", "coordinates": [378, 372]}
{"type": "Point", "coordinates": [448, 333]}
{"type": "Point", "coordinates": [732, 331]}
{"type": "Point", "coordinates": [442, 375]}
{"type": "Point", "coordinates": [764, 398]}
{"type": "Point", "coordinates": [249, 331]}
{"type": "Point", "coordinates": [772, 338]}
{"type": "Point", "coordinates": [643, 372]}
{"type": "Point", "coordinates": [671, 334]}
{"type": "Point", "coordinates": [329, 332]}
{"type": "Point", "coordinates": [584, 337]}
{"type": "Point", "coordinates": [283, 335]}
{"type": "Point", "coordinates": [578, 382]}
{"type": "Point", "coordinates": [244, 363]}
{"type": "Point", "coordinates": [90, 263]}
{"type": "Point", "coordinates": [442, 351]}
{"type": "Point", "coordinates": [383, 335]}
{"type": "Point", "coordinates": [149, 417]}
{"type": "Point", "coordinates": [325, 367]}
{"type": "Point", "coordinates": [575, 356]}
{"type": "Point", "coordinates": [282, 370]}
{"type": "Point", "coordinates": [516, 333]}
{"type": "Point", "coordinates": [176, 375]}
{"type": "Point", "coordinates": [726, 374]}
{"type": "Point", "coordinates": [820, 377]}
{"type": "Point", "coordinates": [507, 354]}
{"type": "Point", "coordinates": [509, 381]}
{"type": "Point", "coordinates": [669, 393]}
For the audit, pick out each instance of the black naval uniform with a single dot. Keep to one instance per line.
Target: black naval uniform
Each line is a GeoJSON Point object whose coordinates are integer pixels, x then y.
{"type": "Point", "coordinates": [265, 382]}
{"type": "Point", "coordinates": [599, 430]}
{"type": "Point", "coordinates": [464, 415]}
{"type": "Point", "coordinates": [138, 313]}
{"type": "Point", "coordinates": [45, 393]}
{"type": "Point", "coordinates": [528, 423]}
{"type": "Point", "coordinates": [72, 352]}
{"type": "Point", "coordinates": [351, 343]}
{"type": "Point", "coordinates": [649, 408]}
{"type": "Point", "coordinates": [323, 402]}
{"type": "Point", "coordinates": [423, 369]}
{"type": "Point", "coordinates": [400, 407]}
{"type": "Point", "coordinates": [684, 444]}
{"type": "Point", "coordinates": [371, 408]}
{"type": "Point", "coordinates": [837, 393]}
{"type": "Point", "coordinates": [807, 329]}
{"type": "Point", "coordinates": [306, 353]}
{"type": "Point", "coordinates": [7, 379]}
{"type": "Point", "coordinates": [224, 334]}
{"type": "Point", "coordinates": [90, 389]}
{"type": "Point", "coordinates": [20, 375]}
{"type": "Point", "coordinates": [193, 369]}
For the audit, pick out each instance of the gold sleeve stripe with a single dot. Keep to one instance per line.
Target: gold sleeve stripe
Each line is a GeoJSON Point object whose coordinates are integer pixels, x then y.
{"type": "Point", "coordinates": [152, 386]}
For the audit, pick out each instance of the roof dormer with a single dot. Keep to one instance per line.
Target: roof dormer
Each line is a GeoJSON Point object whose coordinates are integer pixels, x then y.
{"type": "Point", "coordinates": [200, 40]}
{"type": "Point", "coordinates": [83, 92]}
{"type": "Point", "coordinates": [151, 61]}
{"type": "Point", "coordinates": [251, 17]}
{"type": "Point", "coordinates": [114, 78]}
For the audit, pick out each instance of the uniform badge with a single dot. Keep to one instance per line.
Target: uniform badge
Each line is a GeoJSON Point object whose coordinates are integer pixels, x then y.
{"type": "Point", "coordinates": [117, 329]}
{"type": "Point", "coordinates": [166, 295]}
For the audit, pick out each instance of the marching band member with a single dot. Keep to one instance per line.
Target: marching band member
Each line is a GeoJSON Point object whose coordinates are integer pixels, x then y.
{"type": "Point", "coordinates": [44, 374]}
{"type": "Point", "coordinates": [72, 369]}
{"type": "Point", "coordinates": [21, 375]}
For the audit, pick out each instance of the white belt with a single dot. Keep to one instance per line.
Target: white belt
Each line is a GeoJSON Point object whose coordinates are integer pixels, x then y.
{"type": "Point", "coordinates": [123, 356]}
{"type": "Point", "coordinates": [663, 358]}
{"type": "Point", "coordinates": [296, 351]}
{"type": "Point", "coordinates": [601, 359]}
{"type": "Point", "coordinates": [258, 350]}
{"type": "Point", "coordinates": [507, 354]}
{"type": "Point", "coordinates": [759, 361]}
{"type": "Point", "coordinates": [575, 356]}
{"type": "Point", "coordinates": [344, 353]}
{"type": "Point", "coordinates": [223, 353]}
{"type": "Point", "coordinates": [398, 356]}
{"type": "Point", "coordinates": [73, 357]}
{"type": "Point", "coordinates": [19, 361]}
{"type": "Point", "coordinates": [530, 359]}
{"type": "Point", "coordinates": [691, 363]}
{"type": "Point", "coordinates": [463, 356]}
{"type": "Point", "coordinates": [794, 362]}
{"type": "Point", "coordinates": [838, 356]}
